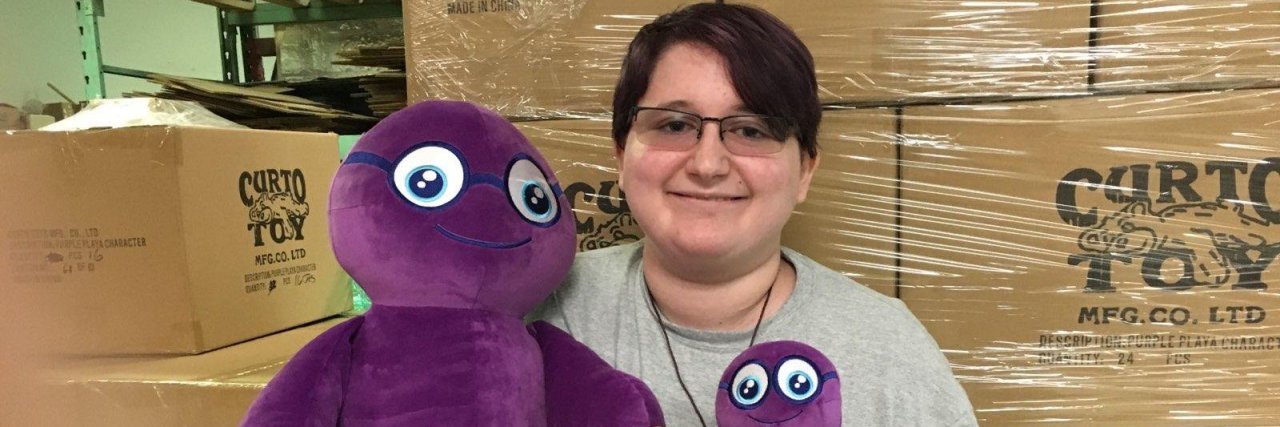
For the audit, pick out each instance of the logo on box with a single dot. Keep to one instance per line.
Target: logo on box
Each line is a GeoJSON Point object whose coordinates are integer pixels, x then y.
{"type": "Point", "coordinates": [620, 227]}
{"type": "Point", "coordinates": [1203, 243]}
{"type": "Point", "coordinates": [277, 203]}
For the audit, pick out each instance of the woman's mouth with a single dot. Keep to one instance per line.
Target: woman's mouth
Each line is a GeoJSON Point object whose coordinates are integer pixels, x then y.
{"type": "Point", "coordinates": [708, 197]}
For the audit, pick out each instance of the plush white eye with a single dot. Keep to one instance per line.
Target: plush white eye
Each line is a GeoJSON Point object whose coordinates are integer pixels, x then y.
{"type": "Point", "coordinates": [530, 193]}
{"type": "Point", "coordinates": [430, 176]}
{"type": "Point", "coordinates": [749, 385]}
{"type": "Point", "coordinates": [798, 379]}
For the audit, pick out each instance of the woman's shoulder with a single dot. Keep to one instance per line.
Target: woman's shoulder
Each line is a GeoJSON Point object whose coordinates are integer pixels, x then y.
{"type": "Point", "coordinates": [831, 288]}
{"type": "Point", "coordinates": [596, 279]}
{"type": "Point", "coordinates": [874, 337]}
{"type": "Point", "coordinates": [600, 273]}
{"type": "Point", "coordinates": [843, 307]}
{"type": "Point", "coordinates": [604, 265]}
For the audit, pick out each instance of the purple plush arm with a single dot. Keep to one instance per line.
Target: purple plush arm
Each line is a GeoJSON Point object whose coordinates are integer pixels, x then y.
{"type": "Point", "coordinates": [583, 390]}
{"type": "Point", "coordinates": [310, 389]}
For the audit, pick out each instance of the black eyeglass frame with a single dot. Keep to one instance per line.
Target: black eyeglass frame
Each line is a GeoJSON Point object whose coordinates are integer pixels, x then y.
{"type": "Point", "coordinates": [702, 121]}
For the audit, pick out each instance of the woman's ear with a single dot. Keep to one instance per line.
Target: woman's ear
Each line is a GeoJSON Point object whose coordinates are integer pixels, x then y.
{"type": "Point", "coordinates": [617, 156]}
{"type": "Point", "coordinates": [808, 165]}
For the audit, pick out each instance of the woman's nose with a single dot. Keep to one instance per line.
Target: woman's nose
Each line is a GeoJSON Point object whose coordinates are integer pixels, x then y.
{"type": "Point", "coordinates": [710, 158]}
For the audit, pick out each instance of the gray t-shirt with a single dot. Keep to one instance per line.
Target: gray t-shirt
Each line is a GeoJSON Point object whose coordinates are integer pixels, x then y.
{"type": "Point", "coordinates": [891, 371]}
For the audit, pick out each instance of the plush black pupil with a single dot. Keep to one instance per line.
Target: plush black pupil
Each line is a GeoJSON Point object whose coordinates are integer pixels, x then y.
{"type": "Point", "coordinates": [427, 183]}
{"type": "Point", "coordinates": [800, 384]}
{"type": "Point", "coordinates": [537, 200]}
{"type": "Point", "coordinates": [748, 389]}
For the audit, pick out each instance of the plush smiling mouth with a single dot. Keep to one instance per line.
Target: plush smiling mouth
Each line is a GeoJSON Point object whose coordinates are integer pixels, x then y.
{"type": "Point", "coordinates": [778, 421]}
{"type": "Point", "coordinates": [708, 198]}
{"type": "Point", "coordinates": [481, 243]}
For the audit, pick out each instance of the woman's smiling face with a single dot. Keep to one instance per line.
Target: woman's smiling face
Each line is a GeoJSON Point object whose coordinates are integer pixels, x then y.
{"type": "Point", "coordinates": [707, 203]}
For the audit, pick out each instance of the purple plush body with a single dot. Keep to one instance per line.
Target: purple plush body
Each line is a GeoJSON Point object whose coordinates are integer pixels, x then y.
{"type": "Point", "coordinates": [779, 383]}
{"type": "Point", "coordinates": [455, 227]}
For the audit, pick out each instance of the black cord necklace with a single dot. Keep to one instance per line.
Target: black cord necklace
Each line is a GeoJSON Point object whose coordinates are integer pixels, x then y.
{"type": "Point", "coordinates": [657, 317]}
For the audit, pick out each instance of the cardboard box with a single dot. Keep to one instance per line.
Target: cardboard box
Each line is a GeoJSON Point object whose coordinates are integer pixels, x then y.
{"type": "Point", "coordinates": [581, 154]}
{"type": "Point", "coordinates": [847, 221]}
{"type": "Point", "coordinates": [553, 59]}
{"type": "Point", "coordinates": [167, 239]}
{"type": "Point", "coordinates": [11, 118]}
{"type": "Point", "coordinates": [522, 58]}
{"type": "Point", "coordinates": [210, 389]}
{"type": "Point", "coordinates": [842, 224]}
{"type": "Point", "coordinates": [887, 51]}
{"type": "Point", "coordinates": [1102, 260]}
{"type": "Point", "coordinates": [1182, 43]}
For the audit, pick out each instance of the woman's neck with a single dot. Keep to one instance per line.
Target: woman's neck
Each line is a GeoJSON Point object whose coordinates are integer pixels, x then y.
{"type": "Point", "coordinates": [726, 304]}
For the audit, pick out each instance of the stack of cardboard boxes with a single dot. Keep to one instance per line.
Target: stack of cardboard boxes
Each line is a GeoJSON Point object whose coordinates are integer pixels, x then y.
{"type": "Point", "coordinates": [1082, 251]}
{"type": "Point", "coordinates": [1106, 259]}
{"type": "Point", "coordinates": [1186, 44]}
{"type": "Point", "coordinates": [135, 248]}
{"type": "Point", "coordinates": [560, 60]}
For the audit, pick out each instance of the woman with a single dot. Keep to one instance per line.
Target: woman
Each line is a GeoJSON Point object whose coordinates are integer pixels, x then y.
{"type": "Point", "coordinates": [715, 123]}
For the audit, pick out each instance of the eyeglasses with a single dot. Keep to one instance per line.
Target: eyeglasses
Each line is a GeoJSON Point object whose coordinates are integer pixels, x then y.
{"type": "Point", "coordinates": [675, 130]}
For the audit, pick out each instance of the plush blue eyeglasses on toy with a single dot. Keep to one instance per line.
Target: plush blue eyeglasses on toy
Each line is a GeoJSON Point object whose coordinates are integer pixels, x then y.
{"type": "Point", "coordinates": [433, 175]}
{"type": "Point", "coordinates": [795, 379]}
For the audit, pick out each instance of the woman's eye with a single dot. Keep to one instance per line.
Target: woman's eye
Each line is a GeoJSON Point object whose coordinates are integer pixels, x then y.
{"type": "Point", "coordinates": [751, 133]}
{"type": "Point", "coordinates": [677, 127]}
{"type": "Point", "coordinates": [531, 194]}
{"type": "Point", "coordinates": [430, 176]}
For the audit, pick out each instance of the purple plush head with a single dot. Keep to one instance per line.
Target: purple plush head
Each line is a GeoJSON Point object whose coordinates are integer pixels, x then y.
{"type": "Point", "coordinates": [779, 383]}
{"type": "Point", "coordinates": [446, 204]}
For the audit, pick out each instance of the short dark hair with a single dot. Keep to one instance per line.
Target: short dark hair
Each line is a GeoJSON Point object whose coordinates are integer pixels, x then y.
{"type": "Point", "coordinates": [770, 67]}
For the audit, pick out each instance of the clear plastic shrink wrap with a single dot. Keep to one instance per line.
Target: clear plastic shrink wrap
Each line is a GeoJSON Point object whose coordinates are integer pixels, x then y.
{"type": "Point", "coordinates": [1080, 200]}
{"type": "Point", "coordinates": [308, 50]}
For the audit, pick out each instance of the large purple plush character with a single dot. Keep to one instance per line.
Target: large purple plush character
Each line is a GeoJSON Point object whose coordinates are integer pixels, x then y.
{"type": "Point", "coordinates": [779, 383]}
{"type": "Point", "coordinates": [456, 228]}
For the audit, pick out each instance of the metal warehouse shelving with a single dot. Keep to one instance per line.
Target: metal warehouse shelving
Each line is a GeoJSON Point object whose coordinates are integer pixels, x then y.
{"type": "Point", "coordinates": [238, 36]}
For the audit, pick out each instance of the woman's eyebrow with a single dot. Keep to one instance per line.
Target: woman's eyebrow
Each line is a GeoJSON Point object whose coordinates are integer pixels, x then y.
{"type": "Point", "coordinates": [678, 104]}
{"type": "Point", "coordinates": [683, 105]}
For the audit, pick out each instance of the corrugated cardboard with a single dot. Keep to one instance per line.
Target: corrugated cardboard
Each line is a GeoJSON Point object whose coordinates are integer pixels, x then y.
{"type": "Point", "coordinates": [552, 59]}
{"type": "Point", "coordinates": [581, 154]}
{"type": "Point", "coordinates": [167, 239]}
{"type": "Point", "coordinates": [842, 224]}
{"type": "Point", "coordinates": [211, 389]}
{"type": "Point", "coordinates": [1186, 43]}
{"type": "Point", "coordinates": [846, 222]}
{"type": "Point", "coordinates": [522, 58]}
{"type": "Point", "coordinates": [890, 51]}
{"type": "Point", "coordinates": [11, 118]}
{"type": "Point", "coordinates": [1005, 211]}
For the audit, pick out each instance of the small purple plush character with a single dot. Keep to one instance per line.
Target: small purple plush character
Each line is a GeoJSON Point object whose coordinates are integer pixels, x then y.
{"type": "Point", "coordinates": [456, 228]}
{"type": "Point", "coordinates": [779, 383]}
